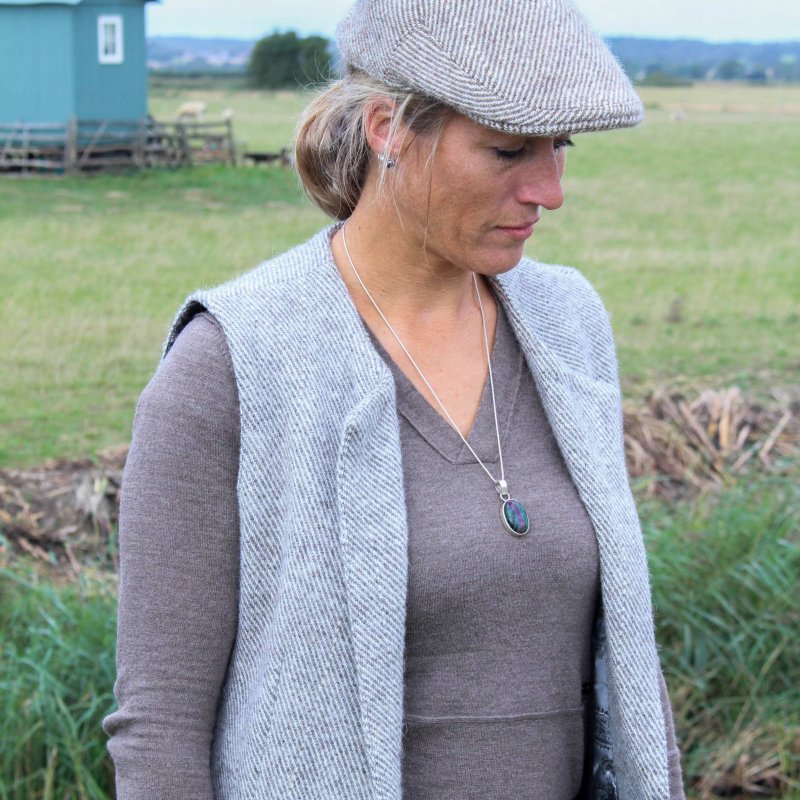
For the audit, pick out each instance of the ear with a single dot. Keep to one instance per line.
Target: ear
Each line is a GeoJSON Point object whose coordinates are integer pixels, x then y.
{"type": "Point", "coordinates": [383, 136]}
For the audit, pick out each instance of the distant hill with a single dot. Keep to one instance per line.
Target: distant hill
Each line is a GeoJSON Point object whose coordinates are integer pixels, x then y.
{"type": "Point", "coordinates": [692, 58]}
{"type": "Point", "coordinates": [684, 58]}
{"type": "Point", "coordinates": [189, 54]}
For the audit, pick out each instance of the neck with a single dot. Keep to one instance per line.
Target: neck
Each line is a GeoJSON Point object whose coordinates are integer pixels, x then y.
{"type": "Point", "coordinates": [414, 291]}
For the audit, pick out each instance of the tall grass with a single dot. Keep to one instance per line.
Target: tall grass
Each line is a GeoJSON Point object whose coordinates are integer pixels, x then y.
{"type": "Point", "coordinates": [56, 678]}
{"type": "Point", "coordinates": [728, 612]}
{"type": "Point", "coordinates": [725, 582]}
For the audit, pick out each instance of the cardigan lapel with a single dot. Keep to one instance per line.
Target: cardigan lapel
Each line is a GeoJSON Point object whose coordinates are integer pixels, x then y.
{"type": "Point", "coordinates": [373, 540]}
{"type": "Point", "coordinates": [582, 411]}
{"type": "Point", "coordinates": [585, 415]}
{"type": "Point", "coordinates": [373, 537]}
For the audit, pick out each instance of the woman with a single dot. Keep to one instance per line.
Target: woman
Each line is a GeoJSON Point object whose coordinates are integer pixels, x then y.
{"type": "Point", "coordinates": [376, 502]}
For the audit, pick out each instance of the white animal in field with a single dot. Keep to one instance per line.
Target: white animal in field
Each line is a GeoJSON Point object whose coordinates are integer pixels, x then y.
{"type": "Point", "coordinates": [227, 114]}
{"type": "Point", "coordinates": [677, 116]}
{"type": "Point", "coordinates": [191, 109]}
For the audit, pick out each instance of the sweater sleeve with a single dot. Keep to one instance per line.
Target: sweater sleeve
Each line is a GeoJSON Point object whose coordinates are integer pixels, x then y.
{"type": "Point", "coordinates": [179, 565]}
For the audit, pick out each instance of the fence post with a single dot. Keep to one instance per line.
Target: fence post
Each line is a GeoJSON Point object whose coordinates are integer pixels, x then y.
{"type": "Point", "coordinates": [231, 142]}
{"type": "Point", "coordinates": [140, 138]}
{"type": "Point", "coordinates": [183, 144]}
{"type": "Point", "coordinates": [71, 146]}
{"type": "Point", "coordinates": [27, 154]}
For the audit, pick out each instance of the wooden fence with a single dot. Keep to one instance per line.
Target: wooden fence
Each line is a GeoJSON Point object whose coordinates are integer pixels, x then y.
{"type": "Point", "coordinates": [96, 145]}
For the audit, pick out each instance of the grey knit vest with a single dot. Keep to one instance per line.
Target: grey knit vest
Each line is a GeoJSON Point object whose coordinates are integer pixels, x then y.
{"type": "Point", "coordinates": [312, 705]}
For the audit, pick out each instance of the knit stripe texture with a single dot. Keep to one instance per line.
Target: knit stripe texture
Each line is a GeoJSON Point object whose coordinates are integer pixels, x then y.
{"type": "Point", "coordinates": [532, 67]}
{"type": "Point", "coordinates": [313, 702]}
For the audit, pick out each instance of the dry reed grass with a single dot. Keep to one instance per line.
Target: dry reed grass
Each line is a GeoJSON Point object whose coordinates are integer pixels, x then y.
{"type": "Point", "coordinates": [681, 446]}
{"type": "Point", "coordinates": [65, 512]}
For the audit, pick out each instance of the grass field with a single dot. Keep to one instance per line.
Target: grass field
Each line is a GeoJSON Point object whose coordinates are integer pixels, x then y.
{"type": "Point", "coordinates": [689, 229]}
{"type": "Point", "coordinates": [688, 226]}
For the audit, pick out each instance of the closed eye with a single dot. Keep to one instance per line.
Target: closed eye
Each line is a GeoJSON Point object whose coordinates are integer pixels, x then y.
{"type": "Point", "coordinates": [509, 155]}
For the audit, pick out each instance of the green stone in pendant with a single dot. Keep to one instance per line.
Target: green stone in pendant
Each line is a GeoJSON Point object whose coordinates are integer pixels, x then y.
{"type": "Point", "coordinates": [515, 517]}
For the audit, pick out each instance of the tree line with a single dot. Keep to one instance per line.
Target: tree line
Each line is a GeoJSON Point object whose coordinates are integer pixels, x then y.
{"type": "Point", "coordinates": [284, 60]}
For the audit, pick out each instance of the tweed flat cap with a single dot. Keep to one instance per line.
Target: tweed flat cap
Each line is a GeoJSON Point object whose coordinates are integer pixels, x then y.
{"type": "Point", "coordinates": [532, 67]}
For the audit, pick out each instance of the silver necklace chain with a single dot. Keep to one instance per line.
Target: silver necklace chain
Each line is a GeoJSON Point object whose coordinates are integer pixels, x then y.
{"type": "Point", "coordinates": [500, 485]}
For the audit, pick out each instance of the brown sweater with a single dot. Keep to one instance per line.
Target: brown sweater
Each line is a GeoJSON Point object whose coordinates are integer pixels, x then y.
{"type": "Point", "coordinates": [497, 643]}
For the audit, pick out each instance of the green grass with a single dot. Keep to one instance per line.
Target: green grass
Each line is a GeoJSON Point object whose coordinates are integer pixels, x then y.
{"type": "Point", "coordinates": [93, 271]}
{"type": "Point", "coordinates": [727, 610]}
{"type": "Point", "coordinates": [56, 678]}
{"type": "Point", "coordinates": [781, 101]}
{"type": "Point", "coordinates": [688, 229]}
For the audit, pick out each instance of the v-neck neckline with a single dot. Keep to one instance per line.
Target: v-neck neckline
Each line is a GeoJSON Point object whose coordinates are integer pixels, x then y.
{"type": "Point", "coordinates": [429, 423]}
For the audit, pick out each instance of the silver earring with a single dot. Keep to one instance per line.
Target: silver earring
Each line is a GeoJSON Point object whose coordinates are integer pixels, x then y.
{"type": "Point", "coordinates": [387, 162]}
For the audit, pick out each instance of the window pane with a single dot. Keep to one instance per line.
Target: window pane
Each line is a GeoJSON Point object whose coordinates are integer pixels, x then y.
{"type": "Point", "coordinates": [110, 45]}
{"type": "Point", "coordinates": [109, 39]}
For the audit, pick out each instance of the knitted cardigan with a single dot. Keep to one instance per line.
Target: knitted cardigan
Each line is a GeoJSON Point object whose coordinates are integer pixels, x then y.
{"type": "Point", "coordinates": [312, 705]}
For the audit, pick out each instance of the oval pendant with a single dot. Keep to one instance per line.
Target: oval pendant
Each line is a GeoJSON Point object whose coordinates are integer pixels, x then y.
{"type": "Point", "coordinates": [515, 517]}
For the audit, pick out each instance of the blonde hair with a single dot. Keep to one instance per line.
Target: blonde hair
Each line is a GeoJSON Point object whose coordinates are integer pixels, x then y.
{"type": "Point", "coordinates": [331, 152]}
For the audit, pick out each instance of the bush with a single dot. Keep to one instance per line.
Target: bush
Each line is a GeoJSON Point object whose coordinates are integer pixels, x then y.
{"type": "Point", "coordinates": [286, 61]}
{"type": "Point", "coordinates": [661, 78]}
{"type": "Point", "coordinates": [56, 679]}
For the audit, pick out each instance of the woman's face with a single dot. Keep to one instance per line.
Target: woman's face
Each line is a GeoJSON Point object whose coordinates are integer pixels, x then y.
{"type": "Point", "coordinates": [475, 203]}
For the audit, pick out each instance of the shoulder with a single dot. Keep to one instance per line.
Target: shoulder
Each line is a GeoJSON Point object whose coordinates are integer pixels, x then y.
{"type": "Point", "coordinates": [565, 312]}
{"type": "Point", "coordinates": [188, 413]}
{"type": "Point", "coordinates": [298, 266]}
{"type": "Point", "coordinates": [274, 287]}
{"type": "Point", "coordinates": [195, 378]}
{"type": "Point", "coordinates": [200, 349]}
{"type": "Point", "coordinates": [539, 284]}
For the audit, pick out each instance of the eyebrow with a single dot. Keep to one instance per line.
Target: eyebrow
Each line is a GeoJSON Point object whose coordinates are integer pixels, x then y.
{"type": "Point", "coordinates": [494, 137]}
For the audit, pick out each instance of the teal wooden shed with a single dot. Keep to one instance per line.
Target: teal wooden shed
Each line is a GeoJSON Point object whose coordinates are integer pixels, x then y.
{"type": "Point", "coordinates": [72, 59]}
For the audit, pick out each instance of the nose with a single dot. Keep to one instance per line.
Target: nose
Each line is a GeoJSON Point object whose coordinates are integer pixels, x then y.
{"type": "Point", "coordinates": [540, 181]}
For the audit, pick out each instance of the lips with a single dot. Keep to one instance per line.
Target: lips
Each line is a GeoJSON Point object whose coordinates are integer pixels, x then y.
{"type": "Point", "coordinates": [520, 225]}
{"type": "Point", "coordinates": [518, 231]}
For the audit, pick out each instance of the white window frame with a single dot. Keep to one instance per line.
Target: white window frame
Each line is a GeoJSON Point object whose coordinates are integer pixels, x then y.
{"type": "Point", "coordinates": [118, 55]}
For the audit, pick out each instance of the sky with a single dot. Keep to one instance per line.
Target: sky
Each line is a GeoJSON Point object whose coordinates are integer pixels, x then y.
{"type": "Point", "coordinates": [712, 20]}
